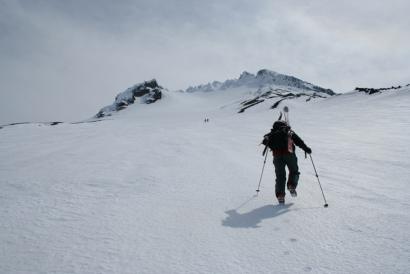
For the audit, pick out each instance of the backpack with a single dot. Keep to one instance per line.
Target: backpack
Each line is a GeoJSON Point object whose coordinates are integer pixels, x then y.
{"type": "Point", "coordinates": [279, 138]}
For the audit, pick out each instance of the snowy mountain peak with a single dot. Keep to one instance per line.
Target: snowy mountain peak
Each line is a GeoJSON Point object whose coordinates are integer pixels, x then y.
{"type": "Point", "coordinates": [148, 92]}
{"type": "Point", "coordinates": [263, 78]}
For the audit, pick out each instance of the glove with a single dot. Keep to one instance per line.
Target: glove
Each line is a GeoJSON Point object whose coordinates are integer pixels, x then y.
{"type": "Point", "coordinates": [308, 150]}
{"type": "Point", "coordinates": [265, 141]}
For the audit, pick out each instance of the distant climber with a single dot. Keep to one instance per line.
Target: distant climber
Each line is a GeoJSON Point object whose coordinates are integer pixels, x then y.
{"type": "Point", "coordinates": [281, 140]}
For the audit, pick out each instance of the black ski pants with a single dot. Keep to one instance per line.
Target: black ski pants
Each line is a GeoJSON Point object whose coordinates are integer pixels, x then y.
{"type": "Point", "coordinates": [291, 161]}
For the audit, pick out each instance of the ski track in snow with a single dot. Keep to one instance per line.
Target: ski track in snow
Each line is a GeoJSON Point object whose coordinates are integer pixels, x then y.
{"type": "Point", "coordinates": [157, 190]}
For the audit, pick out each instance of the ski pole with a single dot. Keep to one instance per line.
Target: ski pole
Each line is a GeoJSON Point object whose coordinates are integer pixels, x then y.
{"type": "Point", "coordinates": [317, 176]}
{"type": "Point", "coordinates": [263, 167]}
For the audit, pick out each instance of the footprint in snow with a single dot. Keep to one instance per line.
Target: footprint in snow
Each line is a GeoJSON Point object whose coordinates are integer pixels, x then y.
{"type": "Point", "coordinates": [293, 240]}
{"type": "Point", "coordinates": [307, 269]}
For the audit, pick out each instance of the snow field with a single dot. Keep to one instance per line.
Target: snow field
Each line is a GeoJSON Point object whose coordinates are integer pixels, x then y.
{"type": "Point", "coordinates": [154, 189]}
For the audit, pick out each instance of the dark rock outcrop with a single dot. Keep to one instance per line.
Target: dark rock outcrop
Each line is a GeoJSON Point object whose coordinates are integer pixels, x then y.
{"type": "Point", "coordinates": [147, 92]}
{"type": "Point", "coordinates": [376, 90]}
{"type": "Point", "coordinates": [278, 94]}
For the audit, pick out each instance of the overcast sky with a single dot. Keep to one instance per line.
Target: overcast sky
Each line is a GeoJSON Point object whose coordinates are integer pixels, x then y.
{"type": "Point", "coordinates": [65, 59]}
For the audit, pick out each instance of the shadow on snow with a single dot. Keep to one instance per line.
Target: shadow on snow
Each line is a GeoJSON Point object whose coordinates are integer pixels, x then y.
{"type": "Point", "coordinates": [252, 218]}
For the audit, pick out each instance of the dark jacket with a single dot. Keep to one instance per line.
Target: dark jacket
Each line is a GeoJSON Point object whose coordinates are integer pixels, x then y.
{"type": "Point", "coordinates": [282, 142]}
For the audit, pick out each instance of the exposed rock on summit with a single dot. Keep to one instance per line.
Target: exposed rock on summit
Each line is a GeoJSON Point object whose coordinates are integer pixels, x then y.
{"type": "Point", "coordinates": [147, 92]}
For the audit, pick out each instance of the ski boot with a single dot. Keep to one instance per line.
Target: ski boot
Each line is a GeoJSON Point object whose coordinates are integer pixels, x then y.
{"type": "Point", "coordinates": [292, 190]}
{"type": "Point", "coordinates": [281, 200]}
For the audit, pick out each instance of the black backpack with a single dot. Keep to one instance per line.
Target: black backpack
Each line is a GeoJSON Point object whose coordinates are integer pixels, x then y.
{"type": "Point", "coordinates": [278, 137]}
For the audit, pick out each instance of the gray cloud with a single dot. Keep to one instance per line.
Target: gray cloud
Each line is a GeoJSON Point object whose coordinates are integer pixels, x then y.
{"type": "Point", "coordinates": [63, 60]}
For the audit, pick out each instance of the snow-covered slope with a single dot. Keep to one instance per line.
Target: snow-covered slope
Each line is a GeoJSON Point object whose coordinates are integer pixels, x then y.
{"type": "Point", "coordinates": [267, 87]}
{"type": "Point", "coordinates": [154, 189]}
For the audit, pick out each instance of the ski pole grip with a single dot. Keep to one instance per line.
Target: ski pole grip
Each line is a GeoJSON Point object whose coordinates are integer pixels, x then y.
{"type": "Point", "coordinates": [265, 150]}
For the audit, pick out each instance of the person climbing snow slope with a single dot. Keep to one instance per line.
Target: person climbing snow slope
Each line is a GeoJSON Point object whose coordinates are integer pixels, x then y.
{"type": "Point", "coordinates": [281, 140]}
